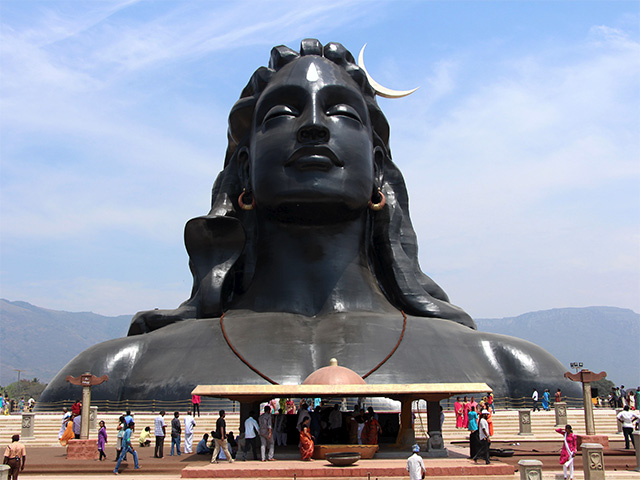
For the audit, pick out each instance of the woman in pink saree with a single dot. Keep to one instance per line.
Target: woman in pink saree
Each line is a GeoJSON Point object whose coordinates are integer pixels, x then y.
{"type": "Point", "coordinates": [457, 408]}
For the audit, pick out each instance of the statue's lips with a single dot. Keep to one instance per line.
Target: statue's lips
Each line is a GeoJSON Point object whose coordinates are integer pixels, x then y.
{"type": "Point", "coordinates": [314, 158]}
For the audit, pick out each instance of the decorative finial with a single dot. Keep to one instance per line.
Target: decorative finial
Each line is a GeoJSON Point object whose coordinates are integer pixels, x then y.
{"type": "Point", "coordinates": [333, 362]}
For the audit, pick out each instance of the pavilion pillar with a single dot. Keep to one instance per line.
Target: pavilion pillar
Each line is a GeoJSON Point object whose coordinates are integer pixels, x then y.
{"type": "Point", "coordinates": [406, 434]}
{"type": "Point", "coordinates": [435, 443]}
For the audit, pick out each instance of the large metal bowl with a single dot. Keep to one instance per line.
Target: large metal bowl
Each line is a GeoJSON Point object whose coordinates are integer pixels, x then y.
{"type": "Point", "coordinates": [342, 459]}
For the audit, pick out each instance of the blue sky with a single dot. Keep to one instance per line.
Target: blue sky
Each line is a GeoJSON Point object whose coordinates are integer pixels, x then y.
{"type": "Point", "coordinates": [521, 149]}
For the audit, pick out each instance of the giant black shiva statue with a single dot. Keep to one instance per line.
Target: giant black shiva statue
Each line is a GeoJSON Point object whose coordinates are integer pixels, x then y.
{"type": "Point", "coordinates": [307, 253]}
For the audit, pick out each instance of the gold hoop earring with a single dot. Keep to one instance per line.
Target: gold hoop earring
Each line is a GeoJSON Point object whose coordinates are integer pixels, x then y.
{"type": "Point", "coordinates": [243, 205]}
{"type": "Point", "coordinates": [380, 205]}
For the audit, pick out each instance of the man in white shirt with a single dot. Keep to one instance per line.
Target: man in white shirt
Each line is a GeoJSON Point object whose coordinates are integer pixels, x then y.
{"type": "Point", "coordinates": [189, 423]}
{"type": "Point", "coordinates": [251, 429]}
{"type": "Point", "coordinates": [415, 465]}
{"type": "Point", "coordinates": [485, 439]}
{"type": "Point", "coordinates": [160, 430]}
{"type": "Point", "coordinates": [627, 417]}
{"type": "Point", "coordinates": [534, 397]}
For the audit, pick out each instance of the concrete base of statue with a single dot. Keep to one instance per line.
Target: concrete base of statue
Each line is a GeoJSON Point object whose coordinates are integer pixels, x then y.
{"type": "Point", "coordinates": [82, 449]}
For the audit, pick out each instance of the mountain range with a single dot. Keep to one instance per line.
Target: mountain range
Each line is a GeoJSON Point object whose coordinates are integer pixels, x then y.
{"type": "Point", "coordinates": [39, 341]}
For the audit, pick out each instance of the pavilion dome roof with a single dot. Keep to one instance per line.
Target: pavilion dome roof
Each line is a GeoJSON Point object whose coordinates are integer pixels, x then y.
{"type": "Point", "coordinates": [334, 375]}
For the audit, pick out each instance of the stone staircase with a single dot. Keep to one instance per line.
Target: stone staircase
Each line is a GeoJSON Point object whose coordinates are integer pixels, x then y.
{"type": "Point", "coordinates": [505, 424]}
{"type": "Point", "coordinates": [506, 427]}
{"type": "Point", "coordinates": [47, 426]}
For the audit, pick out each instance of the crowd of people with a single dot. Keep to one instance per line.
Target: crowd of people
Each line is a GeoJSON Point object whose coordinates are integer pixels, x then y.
{"type": "Point", "coordinates": [8, 406]}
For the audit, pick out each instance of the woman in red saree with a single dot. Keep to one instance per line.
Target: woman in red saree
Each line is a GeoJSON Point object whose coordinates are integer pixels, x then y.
{"type": "Point", "coordinates": [371, 430]}
{"type": "Point", "coordinates": [457, 407]}
{"type": "Point", "coordinates": [306, 440]}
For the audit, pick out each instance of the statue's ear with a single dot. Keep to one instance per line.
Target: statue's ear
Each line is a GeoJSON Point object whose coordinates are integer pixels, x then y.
{"type": "Point", "coordinates": [378, 165]}
{"type": "Point", "coordinates": [243, 166]}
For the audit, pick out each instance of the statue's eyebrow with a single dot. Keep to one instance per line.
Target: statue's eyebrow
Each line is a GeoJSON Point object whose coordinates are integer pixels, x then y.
{"type": "Point", "coordinates": [290, 95]}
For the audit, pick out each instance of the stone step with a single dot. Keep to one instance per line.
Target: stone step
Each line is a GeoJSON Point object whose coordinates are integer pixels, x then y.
{"type": "Point", "coordinates": [47, 425]}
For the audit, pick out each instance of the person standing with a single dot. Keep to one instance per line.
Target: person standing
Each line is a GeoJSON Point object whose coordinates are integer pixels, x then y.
{"type": "Point", "coordinates": [546, 400]}
{"type": "Point", "coordinates": [490, 403]}
{"type": "Point", "coordinates": [569, 449]}
{"type": "Point", "coordinates": [189, 423]}
{"type": "Point", "coordinates": [465, 412]}
{"type": "Point", "coordinates": [102, 440]}
{"type": "Point", "coordinates": [265, 423]}
{"type": "Point", "coordinates": [627, 417]}
{"type": "Point", "coordinates": [251, 429]}
{"type": "Point", "coordinates": [176, 430]}
{"type": "Point", "coordinates": [335, 423]}
{"type": "Point", "coordinates": [415, 464]}
{"type": "Point", "coordinates": [457, 408]}
{"type": "Point", "coordinates": [66, 415]}
{"type": "Point", "coordinates": [220, 439]}
{"type": "Point", "coordinates": [160, 431]}
{"type": "Point", "coordinates": [77, 426]}
{"type": "Point", "coordinates": [485, 438]}
{"type": "Point", "coordinates": [280, 428]}
{"type": "Point", "coordinates": [534, 398]}
{"type": "Point", "coordinates": [306, 440]}
{"type": "Point", "coordinates": [195, 402]}
{"type": "Point", "coordinates": [15, 455]}
{"type": "Point", "coordinates": [127, 447]}
{"type": "Point", "coordinates": [558, 395]}
{"type": "Point", "coordinates": [474, 434]}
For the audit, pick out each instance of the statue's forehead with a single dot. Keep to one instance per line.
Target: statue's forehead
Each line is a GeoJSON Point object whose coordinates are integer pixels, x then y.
{"type": "Point", "coordinates": [311, 73]}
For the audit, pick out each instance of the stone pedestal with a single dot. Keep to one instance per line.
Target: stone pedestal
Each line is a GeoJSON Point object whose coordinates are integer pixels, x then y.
{"type": "Point", "coordinates": [26, 432]}
{"type": "Point", "coordinates": [524, 417]}
{"type": "Point", "coordinates": [601, 439]}
{"type": "Point", "coordinates": [93, 419]}
{"type": "Point", "coordinates": [83, 449]}
{"type": "Point", "coordinates": [561, 414]}
{"type": "Point", "coordinates": [618, 410]}
{"type": "Point", "coordinates": [593, 461]}
{"type": "Point", "coordinates": [530, 469]}
{"type": "Point", "coordinates": [435, 446]}
{"type": "Point", "coordinates": [636, 439]}
{"type": "Point", "coordinates": [4, 472]}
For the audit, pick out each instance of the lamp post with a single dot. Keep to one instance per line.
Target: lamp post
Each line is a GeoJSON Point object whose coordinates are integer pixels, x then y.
{"type": "Point", "coordinates": [576, 365]}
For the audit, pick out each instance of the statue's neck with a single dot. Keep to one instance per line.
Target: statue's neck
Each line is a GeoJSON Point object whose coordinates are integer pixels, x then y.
{"type": "Point", "coordinates": [312, 270]}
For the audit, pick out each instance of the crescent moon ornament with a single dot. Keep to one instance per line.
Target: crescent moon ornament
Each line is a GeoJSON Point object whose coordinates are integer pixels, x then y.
{"type": "Point", "coordinates": [379, 89]}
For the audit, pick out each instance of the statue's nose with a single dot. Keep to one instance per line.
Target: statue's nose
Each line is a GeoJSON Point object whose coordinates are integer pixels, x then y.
{"type": "Point", "coordinates": [313, 133]}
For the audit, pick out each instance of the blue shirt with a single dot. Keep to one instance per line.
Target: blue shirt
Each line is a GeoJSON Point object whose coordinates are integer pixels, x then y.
{"type": "Point", "coordinates": [126, 438]}
{"type": "Point", "coordinates": [473, 421]}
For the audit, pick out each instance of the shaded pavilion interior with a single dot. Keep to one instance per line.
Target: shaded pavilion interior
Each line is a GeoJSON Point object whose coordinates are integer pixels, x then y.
{"type": "Point", "coordinates": [339, 382]}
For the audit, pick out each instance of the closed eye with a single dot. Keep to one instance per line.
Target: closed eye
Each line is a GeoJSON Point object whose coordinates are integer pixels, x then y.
{"type": "Point", "coordinates": [344, 110]}
{"type": "Point", "coordinates": [280, 111]}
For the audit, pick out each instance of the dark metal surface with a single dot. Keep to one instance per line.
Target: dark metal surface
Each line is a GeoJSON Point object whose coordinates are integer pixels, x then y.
{"type": "Point", "coordinates": [311, 272]}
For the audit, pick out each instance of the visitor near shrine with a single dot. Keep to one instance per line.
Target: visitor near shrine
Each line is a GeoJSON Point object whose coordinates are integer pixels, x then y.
{"type": "Point", "coordinates": [415, 464]}
{"type": "Point", "coordinates": [220, 439]}
{"type": "Point", "coordinates": [160, 431]}
{"type": "Point", "coordinates": [189, 424]}
{"type": "Point", "coordinates": [102, 440]}
{"type": "Point", "coordinates": [127, 448]}
{"type": "Point", "coordinates": [265, 423]}
{"type": "Point", "coordinates": [251, 432]}
{"type": "Point", "coordinates": [15, 456]}
{"type": "Point", "coordinates": [627, 418]}
{"type": "Point", "coordinates": [568, 452]}
{"type": "Point", "coordinates": [176, 432]}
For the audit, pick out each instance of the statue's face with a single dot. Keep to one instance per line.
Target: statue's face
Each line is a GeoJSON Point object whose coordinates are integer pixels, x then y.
{"type": "Point", "coordinates": [311, 143]}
